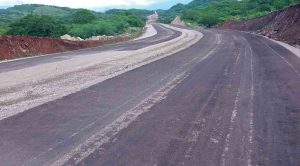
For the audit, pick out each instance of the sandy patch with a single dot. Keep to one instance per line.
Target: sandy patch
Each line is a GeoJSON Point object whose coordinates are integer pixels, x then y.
{"type": "Point", "coordinates": [150, 31]}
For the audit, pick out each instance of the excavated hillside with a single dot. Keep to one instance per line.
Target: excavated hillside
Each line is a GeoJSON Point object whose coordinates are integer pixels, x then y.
{"type": "Point", "coordinates": [283, 25]}
{"type": "Point", "coordinates": [12, 47]}
{"type": "Point", "coordinates": [178, 21]}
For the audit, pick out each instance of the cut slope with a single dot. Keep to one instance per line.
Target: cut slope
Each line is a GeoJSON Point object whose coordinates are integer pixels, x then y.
{"type": "Point", "coordinates": [12, 47]}
{"type": "Point", "coordinates": [178, 21]}
{"type": "Point", "coordinates": [283, 25]}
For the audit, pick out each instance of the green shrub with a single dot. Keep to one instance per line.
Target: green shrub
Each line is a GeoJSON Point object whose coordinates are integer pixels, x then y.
{"type": "Point", "coordinates": [3, 30]}
{"type": "Point", "coordinates": [37, 25]}
{"type": "Point", "coordinates": [134, 21]}
{"type": "Point", "coordinates": [209, 20]}
{"type": "Point", "coordinates": [84, 24]}
{"type": "Point", "coordinates": [83, 16]}
{"type": "Point", "coordinates": [191, 14]}
{"type": "Point", "coordinates": [87, 30]}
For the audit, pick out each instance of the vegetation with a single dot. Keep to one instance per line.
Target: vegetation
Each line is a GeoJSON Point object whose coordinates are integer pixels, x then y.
{"type": "Point", "coordinates": [52, 21]}
{"type": "Point", "coordinates": [166, 16]}
{"type": "Point", "coordinates": [83, 16]}
{"type": "Point", "coordinates": [209, 13]}
{"type": "Point", "coordinates": [12, 14]}
{"type": "Point", "coordinates": [36, 25]}
{"type": "Point", "coordinates": [108, 25]}
{"type": "Point", "coordinates": [224, 10]}
{"type": "Point", "coordinates": [143, 14]}
{"type": "Point", "coordinates": [3, 30]}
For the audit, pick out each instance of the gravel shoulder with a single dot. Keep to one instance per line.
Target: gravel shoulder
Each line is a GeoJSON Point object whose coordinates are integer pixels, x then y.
{"type": "Point", "coordinates": [32, 86]}
{"type": "Point", "coordinates": [150, 31]}
{"type": "Point", "coordinates": [293, 49]}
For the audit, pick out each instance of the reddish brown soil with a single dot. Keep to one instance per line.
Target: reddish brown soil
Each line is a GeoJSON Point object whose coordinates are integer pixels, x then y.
{"type": "Point", "coordinates": [24, 46]}
{"type": "Point", "coordinates": [282, 25]}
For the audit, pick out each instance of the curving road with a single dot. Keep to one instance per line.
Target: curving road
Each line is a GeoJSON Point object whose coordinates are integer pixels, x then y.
{"type": "Point", "coordinates": [163, 34]}
{"type": "Point", "coordinates": [232, 98]}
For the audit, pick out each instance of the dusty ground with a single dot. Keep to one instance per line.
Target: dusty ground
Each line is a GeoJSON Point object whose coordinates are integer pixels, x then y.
{"type": "Point", "coordinates": [150, 31]}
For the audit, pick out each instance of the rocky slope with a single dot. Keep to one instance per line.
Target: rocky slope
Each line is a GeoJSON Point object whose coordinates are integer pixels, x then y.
{"type": "Point", "coordinates": [283, 25]}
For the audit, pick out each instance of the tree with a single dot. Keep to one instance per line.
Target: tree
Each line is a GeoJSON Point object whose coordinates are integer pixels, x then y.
{"type": "Point", "coordinates": [191, 15]}
{"type": "Point", "coordinates": [93, 29]}
{"type": "Point", "coordinates": [209, 20]}
{"type": "Point", "coordinates": [37, 25]}
{"type": "Point", "coordinates": [83, 16]}
{"type": "Point", "coordinates": [134, 21]}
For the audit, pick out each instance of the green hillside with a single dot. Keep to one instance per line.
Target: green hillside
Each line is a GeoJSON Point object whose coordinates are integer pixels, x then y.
{"type": "Point", "coordinates": [209, 13]}
{"type": "Point", "coordinates": [11, 14]}
{"type": "Point", "coordinates": [138, 12]}
{"type": "Point", "coordinates": [53, 21]}
{"type": "Point", "coordinates": [166, 16]}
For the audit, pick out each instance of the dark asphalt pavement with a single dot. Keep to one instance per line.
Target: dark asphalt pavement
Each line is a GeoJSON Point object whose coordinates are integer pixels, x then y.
{"type": "Point", "coordinates": [239, 104]}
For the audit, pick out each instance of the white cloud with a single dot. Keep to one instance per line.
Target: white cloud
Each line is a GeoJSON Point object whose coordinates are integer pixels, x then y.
{"type": "Point", "coordinates": [83, 3]}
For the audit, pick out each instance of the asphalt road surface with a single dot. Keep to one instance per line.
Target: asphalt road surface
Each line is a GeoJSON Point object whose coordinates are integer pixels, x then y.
{"type": "Point", "coordinates": [232, 98]}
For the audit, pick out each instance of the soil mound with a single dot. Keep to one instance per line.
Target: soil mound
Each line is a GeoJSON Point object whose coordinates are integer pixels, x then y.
{"type": "Point", "coordinates": [178, 21]}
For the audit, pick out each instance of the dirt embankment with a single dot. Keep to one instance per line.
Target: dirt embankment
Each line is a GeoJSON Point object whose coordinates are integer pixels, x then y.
{"type": "Point", "coordinates": [178, 21]}
{"type": "Point", "coordinates": [24, 46]}
{"type": "Point", "coordinates": [283, 25]}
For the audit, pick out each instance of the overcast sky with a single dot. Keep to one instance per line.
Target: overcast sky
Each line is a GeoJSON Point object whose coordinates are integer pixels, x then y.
{"type": "Point", "coordinates": [99, 4]}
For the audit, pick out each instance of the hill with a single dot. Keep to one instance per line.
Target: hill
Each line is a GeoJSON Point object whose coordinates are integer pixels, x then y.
{"type": "Point", "coordinates": [11, 14]}
{"type": "Point", "coordinates": [282, 25]}
{"type": "Point", "coordinates": [138, 12]}
{"type": "Point", "coordinates": [209, 13]}
{"type": "Point", "coordinates": [166, 16]}
{"type": "Point", "coordinates": [23, 20]}
{"type": "Point", "coordinates": [62, 13]}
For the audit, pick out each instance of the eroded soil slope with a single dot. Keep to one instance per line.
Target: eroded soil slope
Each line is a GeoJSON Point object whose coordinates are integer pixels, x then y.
{"type": "Point", "coordinates": [283, 25]}
{"type": "Point", "coordinates": [23, 46]}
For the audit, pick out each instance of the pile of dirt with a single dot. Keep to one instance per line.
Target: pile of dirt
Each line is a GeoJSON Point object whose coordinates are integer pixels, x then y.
{"type": "Point", "coordinates": [283, 25]}
{"type": "Point", "coordinates": [178, 21]}
{"type": "Point", "coordinates": [24, 46]}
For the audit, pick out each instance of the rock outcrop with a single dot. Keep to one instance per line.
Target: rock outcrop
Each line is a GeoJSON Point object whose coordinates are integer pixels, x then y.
{"type": "Point", "coordinates": [69, 37]}
{"type": "Point", "coordinates": [95, 38]}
